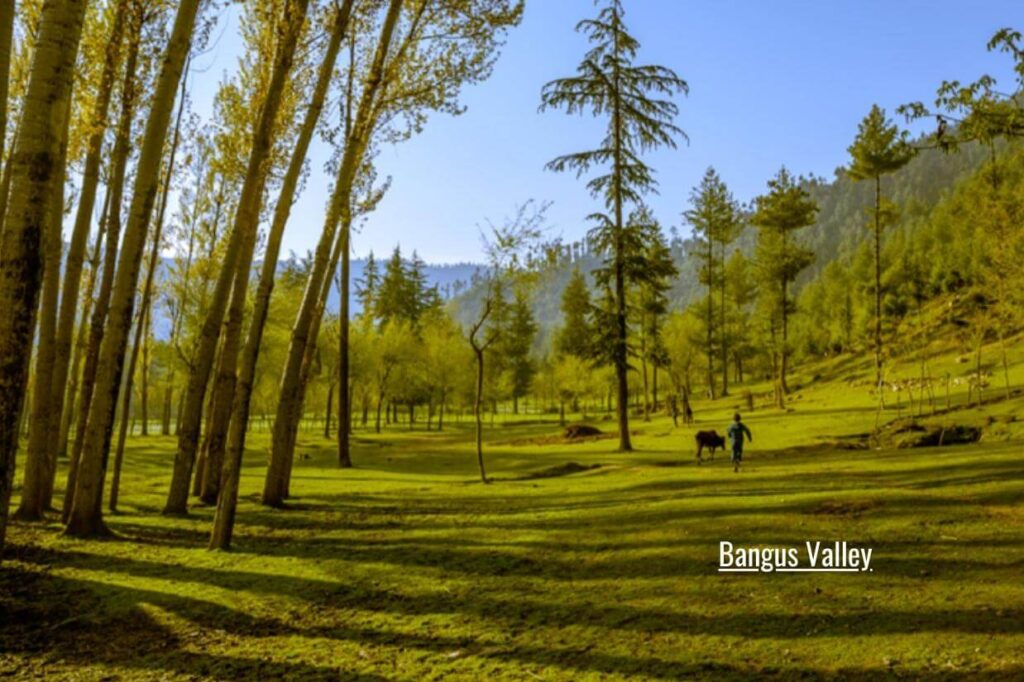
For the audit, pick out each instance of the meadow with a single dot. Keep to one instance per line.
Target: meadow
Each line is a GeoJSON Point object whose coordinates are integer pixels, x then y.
{"type": "Point", "coordinates": [407, 567]}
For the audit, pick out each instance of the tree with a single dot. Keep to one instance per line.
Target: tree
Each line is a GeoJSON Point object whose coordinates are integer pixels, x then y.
{"type": "Point", "coordinates": [506, 247]}
{"type": "Point", "coordinates": [86, 517]}
{"type": "Point", "coordinates": [609, 83]}
{"type": "Point", "coordinates": [652, 285]}
{"type": "Point", "coordinates": [234, 276]}
{"type": "Point", "coordinates": [715, 219]}
{"type": "Point", "coordinates": [36, 181]}
{"type": "Point", "coordinates": [880, 148]}
{"type": "Point", "coordinates": [786, 208]}
{"type": "Point", "coordinates": [517, 346]}
{"type": "Point", "coordinates": [575, 335]}
{"type": "Point", "coordinates": [442, 47]}
{"type": "Point", "coordinates": [112, 234]}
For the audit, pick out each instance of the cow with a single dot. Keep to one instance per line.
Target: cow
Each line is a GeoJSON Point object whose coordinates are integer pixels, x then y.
{"type": "Point", "coordinates": [710, 440]}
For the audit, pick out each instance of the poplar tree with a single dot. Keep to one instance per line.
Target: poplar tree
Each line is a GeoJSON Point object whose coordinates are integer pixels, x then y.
{"type": "Point", "coordinates": [608, 83]}
{"type": "Point", "coordinates": [36, 191]}
{"type": "Point", "coordinates": [880, 148]}
{"type": "Point", "coordinates": [86, 516]}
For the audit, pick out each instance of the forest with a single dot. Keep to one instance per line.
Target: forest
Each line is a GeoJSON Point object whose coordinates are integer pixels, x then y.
{"type": "Point", "coordinates": [220, 459]}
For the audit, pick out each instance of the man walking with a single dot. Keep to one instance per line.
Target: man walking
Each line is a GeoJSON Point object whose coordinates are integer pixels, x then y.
{"type": "Point", "coordinates": [736, 431]}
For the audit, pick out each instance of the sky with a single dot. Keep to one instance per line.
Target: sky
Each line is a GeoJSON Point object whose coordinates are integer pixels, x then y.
{"type": "Point", "coordinates": [771, 83]}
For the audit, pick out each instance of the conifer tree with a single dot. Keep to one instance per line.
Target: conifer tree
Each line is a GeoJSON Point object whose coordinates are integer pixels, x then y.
{"type": "Point", "coordinates": [610, 84]}
{"type": "Point", "coordinates": [575, 335]}
{"type": "Point", "coordinates": [517, 346]}
{"type": "Point", "coordinates": [786, 208]}
{"type": "Point", "coordinates": [880, 148]}
{"type": "Point", "coordinates": [367, 286]}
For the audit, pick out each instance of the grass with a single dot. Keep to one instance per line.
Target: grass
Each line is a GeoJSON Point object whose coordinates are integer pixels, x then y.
{"type": "Point", "coordinates": [408, 568]}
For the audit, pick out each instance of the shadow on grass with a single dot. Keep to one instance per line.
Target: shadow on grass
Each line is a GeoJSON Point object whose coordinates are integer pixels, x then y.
{"type": "Point", "coordinates": [133, 638]}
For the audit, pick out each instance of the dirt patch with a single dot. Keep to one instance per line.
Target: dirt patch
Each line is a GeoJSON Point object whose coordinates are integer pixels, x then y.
{"type": "Point", "coordinates": [577, 431]}
{"type": "Point", "coordinates": [912, 434]}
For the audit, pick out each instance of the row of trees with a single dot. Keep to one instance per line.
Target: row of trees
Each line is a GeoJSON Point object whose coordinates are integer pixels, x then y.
{"type": "Point", "coordinates": [379, 68]}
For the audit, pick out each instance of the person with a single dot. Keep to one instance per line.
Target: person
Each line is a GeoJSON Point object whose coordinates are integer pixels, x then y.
{"type": "Point", "coordinates": [736, 431]}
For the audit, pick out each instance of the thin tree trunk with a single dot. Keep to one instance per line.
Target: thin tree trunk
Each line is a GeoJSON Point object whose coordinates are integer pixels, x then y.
{"type": "Point", "coordinates": [67, 418]}
{"type": "Point", "coordinates": [7, 13]}
{"type": "Point", "coordinates": [69, 301]}
{"type": "Point", "coordinates": [478, 412]}
{"type": "Point", "coordinates": [115, 190]}
{"type": "Point", "coordinates": [338, 212]}
{"type": "Point", "coordinates": [86, 517]}
{"type": "Point", "coordinates": [126, 396]}
{"type": "Point", "coordinates": [878, 282]}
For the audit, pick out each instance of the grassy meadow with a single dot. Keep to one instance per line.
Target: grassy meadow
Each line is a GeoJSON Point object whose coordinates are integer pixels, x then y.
{"type": "Point", "coordinates": [408, 568]}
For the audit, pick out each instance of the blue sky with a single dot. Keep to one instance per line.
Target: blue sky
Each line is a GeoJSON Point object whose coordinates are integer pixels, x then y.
{"type": "Point", "coordinates": [771, 83]}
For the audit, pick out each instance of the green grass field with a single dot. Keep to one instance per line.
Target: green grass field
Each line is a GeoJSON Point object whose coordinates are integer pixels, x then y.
{"type": "Point", "coordinates": [408, 568]}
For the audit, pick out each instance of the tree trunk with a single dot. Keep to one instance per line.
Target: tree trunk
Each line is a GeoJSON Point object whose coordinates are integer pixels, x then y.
{"type": "Point", "coordinates": [7, 13]}
{"type": "Point", "coordinates": [115, 191]}
{"type": "Point", "coordinates": [478, 402]}
{"type": "Point", "coordinates": [69, 302]}
{"type": "Point", "coordinates": [241, 388]}
{"type": "Point", "coordinates": [126, 396]}
{"type": "Point", "coordinates": [86, 517]}
{"type": "Point", "coordinates": [878, 282]}
{"type": "Point", "coordinates": [327, 411]}
{"type": "Point", "coordinates": [38, 461]}
{"type": "Point", "coordinates": [338, 212]}
{"type": "Point", "coordinates": [35, 177]}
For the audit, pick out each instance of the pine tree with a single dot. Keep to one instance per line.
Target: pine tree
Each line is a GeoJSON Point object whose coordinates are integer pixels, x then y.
{"type": "Point", "coordinates": [715, 220]}
{"type": "Point", "coordinates": [609, 83]}
{"type": "Point", "coordinates": [880, 148]}
{"type": "Point", "coordinates": [786, 208]}
{"type": "Point", "coordinates": [517, 346]}
{"type": "Point", "coordinates": [366, 287]}
{"type": "Point", "coordinates": [575, 336]}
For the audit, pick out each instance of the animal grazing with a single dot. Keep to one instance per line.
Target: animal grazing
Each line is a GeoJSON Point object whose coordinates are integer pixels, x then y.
{"type": "Point", "coordinates": [710, 440]}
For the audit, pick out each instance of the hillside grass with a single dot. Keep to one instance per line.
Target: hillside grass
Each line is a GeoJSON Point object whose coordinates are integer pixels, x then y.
{"type": "Point", "coordinates": [407, 567]}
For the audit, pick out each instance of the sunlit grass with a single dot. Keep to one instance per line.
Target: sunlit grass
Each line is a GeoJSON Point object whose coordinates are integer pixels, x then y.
{"type": "Point", "coordinates": [407, 567]}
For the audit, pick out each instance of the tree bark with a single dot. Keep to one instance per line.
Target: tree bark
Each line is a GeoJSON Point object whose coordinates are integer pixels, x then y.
{"type": "Point", "coordinates": [86, 518]}
{"type": "Point", "coordinates": [37, 462]}
{"type": "Point", "coordinates": [36, 179]}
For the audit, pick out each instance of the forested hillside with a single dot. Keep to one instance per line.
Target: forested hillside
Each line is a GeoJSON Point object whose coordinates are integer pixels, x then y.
{"type": "Point", "coordinates": [838, 234]}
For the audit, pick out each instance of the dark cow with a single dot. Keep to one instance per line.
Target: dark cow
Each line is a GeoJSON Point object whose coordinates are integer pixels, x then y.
{"type": "Point", "coordinates": [710, 440]}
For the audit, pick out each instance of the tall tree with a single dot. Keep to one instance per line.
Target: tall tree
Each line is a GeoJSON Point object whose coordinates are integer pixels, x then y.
{"type": "Point", "coordinates": [786, 208]}
{"type": "Point", "coordinates": [880, 148]}
{"type": "Point", "coordinates": [609, 83]}
{"type": "Point", "coordinates": [234, 277]}
{"type": "Point", "coordinates": [86, 518]}
{"type": "Point", "coordinates": [652, 286]}
{"type": "Point", "coordinates": [714, 216]}
{"type": "Point", "coordinates": [444, 46]}
{"type": "Point", "coordinates": [36, 181]}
